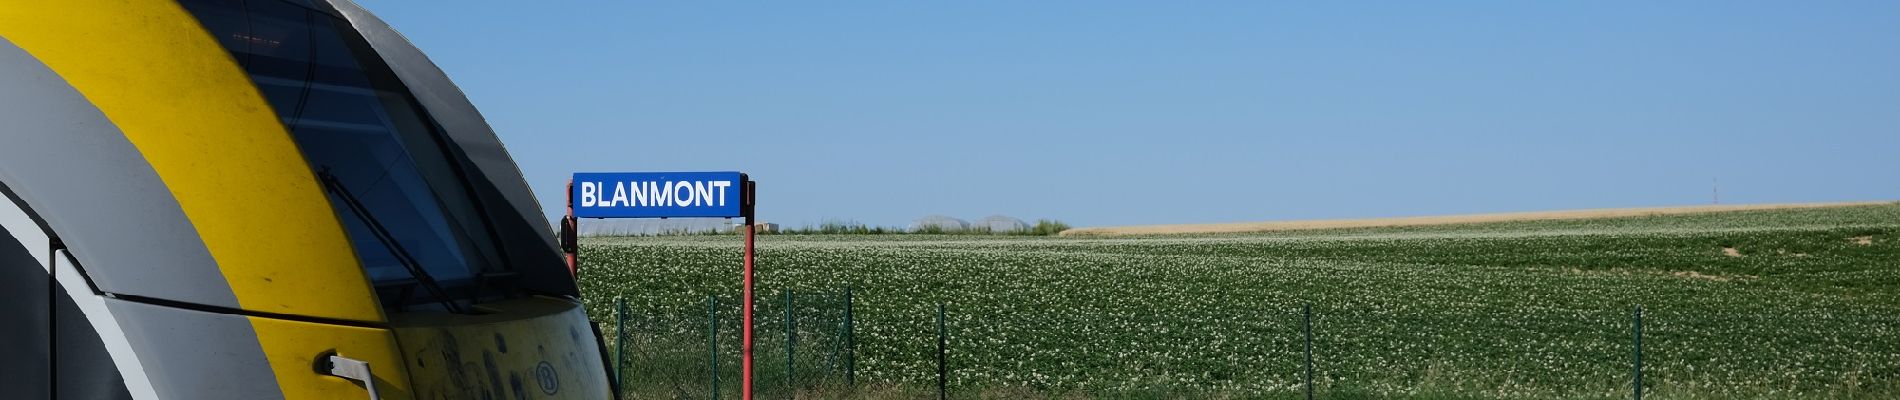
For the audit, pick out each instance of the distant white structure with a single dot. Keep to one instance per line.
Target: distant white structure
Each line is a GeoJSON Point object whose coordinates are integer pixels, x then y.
{"type": "Point", "coordinates": [938, 222]}
{"type": "Point", "coordinates": [759, 227]}
{"type": "Point", "coordinates": [1002, 224]}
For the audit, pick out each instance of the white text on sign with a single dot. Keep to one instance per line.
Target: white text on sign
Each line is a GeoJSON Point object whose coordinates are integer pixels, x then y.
{"type": "Point", "coordinates": [654, 194]}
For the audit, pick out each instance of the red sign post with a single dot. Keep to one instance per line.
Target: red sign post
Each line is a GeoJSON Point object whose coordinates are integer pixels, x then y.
{"type": "Point", "coordinates": [745, 349]}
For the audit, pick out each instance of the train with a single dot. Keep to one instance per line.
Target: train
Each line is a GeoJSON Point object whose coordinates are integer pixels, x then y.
{"type": "Point", "coordinates": [265, 199]}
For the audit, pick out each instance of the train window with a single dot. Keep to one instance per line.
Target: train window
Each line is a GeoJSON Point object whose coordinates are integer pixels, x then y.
{"type": "Point", "coordinates": [354, 121]}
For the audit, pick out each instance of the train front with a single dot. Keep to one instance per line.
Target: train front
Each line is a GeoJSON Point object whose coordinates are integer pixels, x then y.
{"type": "Point", "coordinates": [258, 199]}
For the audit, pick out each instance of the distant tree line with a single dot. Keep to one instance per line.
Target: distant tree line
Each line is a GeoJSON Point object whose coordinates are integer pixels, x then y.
{"type": "Point", "coordinates": [1043, 227]}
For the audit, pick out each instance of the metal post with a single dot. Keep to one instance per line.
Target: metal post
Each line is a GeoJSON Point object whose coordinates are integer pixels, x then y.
{"type": "Point", "coordinates": [570, 234]}
{"type": "Point", "coordinates": [620, 341]}
{"type": "Point", "coordinates": [791, 341]}
{"type": "Point", "coordinates": [745, 346]}
{"type": "Point", "coordinates": [1307, 326]}
{"type": "Point", "coordinates": [943, 369]}
{"type": "Point", "coordinates": [850, 342]}
{"type": "Point", "coordinates": [712, 346]}
{"type": "Point", "coordinates": [1636, 370]}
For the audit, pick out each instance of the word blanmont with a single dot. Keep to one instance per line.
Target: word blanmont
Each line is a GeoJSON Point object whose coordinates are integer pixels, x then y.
{"type": "Point", "coordinates": [655, 194]}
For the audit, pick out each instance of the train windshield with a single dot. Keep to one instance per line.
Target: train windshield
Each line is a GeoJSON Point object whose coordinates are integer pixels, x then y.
{"type": "Point", "coordinates": [354, 121]}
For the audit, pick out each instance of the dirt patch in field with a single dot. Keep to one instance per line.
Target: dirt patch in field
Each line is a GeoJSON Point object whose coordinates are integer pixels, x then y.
{"type": "Point", "coordinates": [1731, 252]}
{"type": "Point", "coordinates": [1238, 227]}
{"type": "Point", "coordinates": [1862, 240]}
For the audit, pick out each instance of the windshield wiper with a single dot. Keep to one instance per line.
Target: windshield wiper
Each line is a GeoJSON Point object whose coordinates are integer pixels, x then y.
{"type": "Point", "coordinates": [356, 207]}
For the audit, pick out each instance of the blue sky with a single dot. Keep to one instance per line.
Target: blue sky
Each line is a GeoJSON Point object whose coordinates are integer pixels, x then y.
{"type": "Point", "coordinates": [1111, 113]}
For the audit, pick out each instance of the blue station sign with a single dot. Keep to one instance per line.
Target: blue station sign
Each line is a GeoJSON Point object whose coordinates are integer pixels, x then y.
{"type": "Point", "coordinates": [659, 194]}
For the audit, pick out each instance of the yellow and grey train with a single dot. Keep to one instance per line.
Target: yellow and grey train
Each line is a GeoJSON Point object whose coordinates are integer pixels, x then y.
{"type": "Point", "coordinates": [264, 199]}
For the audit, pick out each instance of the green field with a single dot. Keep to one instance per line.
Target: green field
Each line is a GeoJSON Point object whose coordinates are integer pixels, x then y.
{"type": "Point", "coordinates": [1759, 304]}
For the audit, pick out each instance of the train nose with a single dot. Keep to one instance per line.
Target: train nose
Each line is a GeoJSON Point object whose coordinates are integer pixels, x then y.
{"type": "Point", "coordinates": [530, 348]}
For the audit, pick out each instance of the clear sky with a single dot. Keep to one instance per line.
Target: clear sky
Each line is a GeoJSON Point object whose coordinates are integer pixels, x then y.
{"type": "Point", "coordinates": [1111, 113]}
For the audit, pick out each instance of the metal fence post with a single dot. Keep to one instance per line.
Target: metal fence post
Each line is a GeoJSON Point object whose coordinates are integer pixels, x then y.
{"type": "Point", "coordinates": [712, 346]}
{"type": "Point", "coordinates": [850, 341]}
{"type": "Point", "coordinates": [1307, 327]}
{"type": "Point", "coordinates": [943, 369]}
{"type": "Point", "coordinates": [1636, 369]}
{"type": "Point", "coordinates": [620, 342]}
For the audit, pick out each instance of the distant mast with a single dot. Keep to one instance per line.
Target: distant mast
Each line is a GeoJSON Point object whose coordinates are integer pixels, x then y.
{"type": "Point", "coordinates": [1715, 190]}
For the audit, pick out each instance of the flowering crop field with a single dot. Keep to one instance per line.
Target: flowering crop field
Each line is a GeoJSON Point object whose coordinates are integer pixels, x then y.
{"type": "Point", "coordinates": [1756, 304]}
